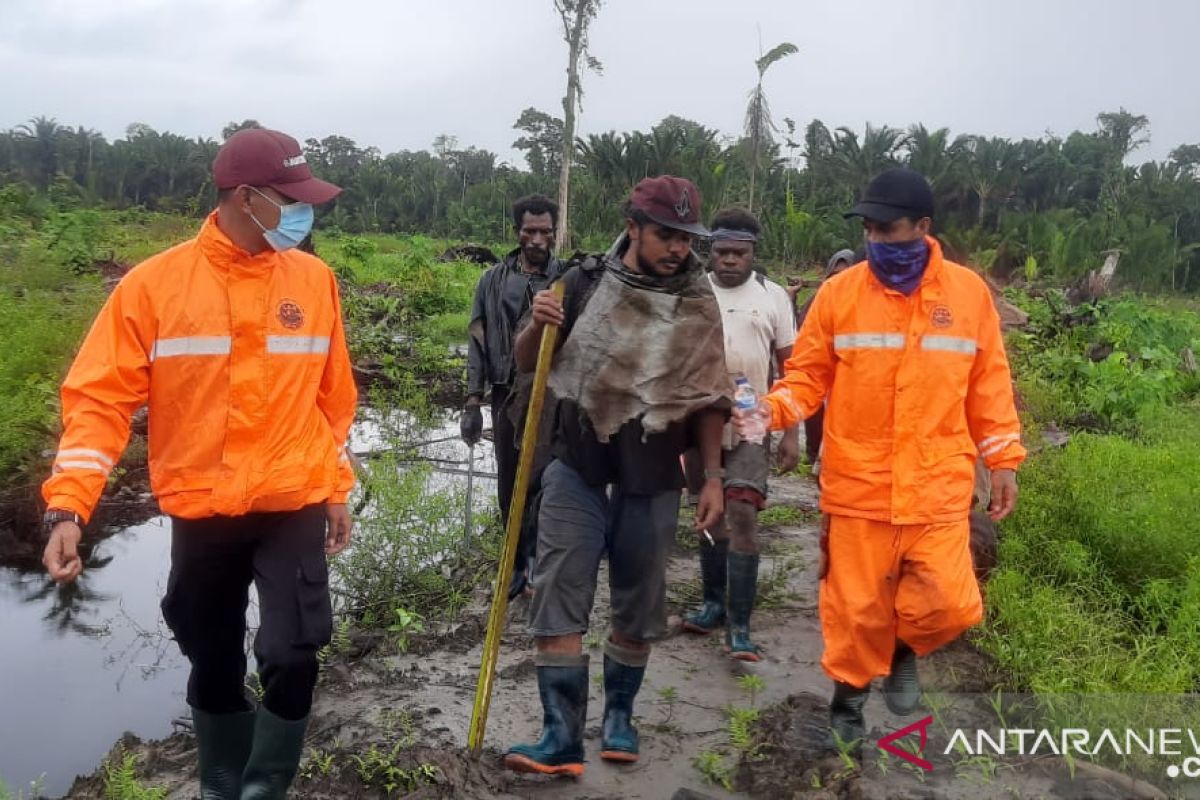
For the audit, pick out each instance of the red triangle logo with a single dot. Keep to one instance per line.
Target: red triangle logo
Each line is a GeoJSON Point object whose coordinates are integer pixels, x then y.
{"type": "Point", "coordinates": [920, 726]}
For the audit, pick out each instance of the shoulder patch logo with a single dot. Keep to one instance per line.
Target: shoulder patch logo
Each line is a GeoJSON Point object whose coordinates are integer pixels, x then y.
{"type": "Point", "coordinates": [941, 317]}
{"type": "Point", "coordinates": [290, 314]}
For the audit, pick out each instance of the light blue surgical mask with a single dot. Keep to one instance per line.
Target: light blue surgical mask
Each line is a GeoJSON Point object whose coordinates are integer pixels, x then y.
{"type": "Point", "coordinates": [295, 223]}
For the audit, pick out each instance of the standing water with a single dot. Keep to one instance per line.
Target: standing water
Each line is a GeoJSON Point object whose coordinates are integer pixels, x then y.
{"type": "Point", "coordinates": [82, 664]}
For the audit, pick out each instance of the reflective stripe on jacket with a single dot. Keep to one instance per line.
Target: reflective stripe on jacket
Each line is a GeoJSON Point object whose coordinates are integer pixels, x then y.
{"type": "Point", "coordinates": [918, 387]}
{"type": "Point", "coordinates": [242, 361]}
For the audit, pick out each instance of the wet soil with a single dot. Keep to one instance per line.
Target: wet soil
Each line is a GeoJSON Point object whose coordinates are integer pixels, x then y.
{"type": "Point", "coordinates": [390, 724]}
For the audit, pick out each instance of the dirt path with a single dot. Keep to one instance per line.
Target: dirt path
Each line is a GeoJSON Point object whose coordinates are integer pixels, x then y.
{"type": "Point", "coordinates": [387, 719]}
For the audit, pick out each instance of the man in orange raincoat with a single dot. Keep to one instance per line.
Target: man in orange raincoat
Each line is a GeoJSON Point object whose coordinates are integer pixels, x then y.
{"type": "Point", "coordinates": [234, 341]}
{"type": "Point", "coordinates": [908, 350]}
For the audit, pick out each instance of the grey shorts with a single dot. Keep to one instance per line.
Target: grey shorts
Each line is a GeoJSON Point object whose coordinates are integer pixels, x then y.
{"type": "Point", "coordinates": [747, 466]}
{"type": "Point", "coordinates": [576, 526]}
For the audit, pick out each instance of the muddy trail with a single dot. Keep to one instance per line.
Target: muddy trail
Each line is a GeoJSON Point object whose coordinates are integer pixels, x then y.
{"type": "Point", "coordinates": [391, 724]}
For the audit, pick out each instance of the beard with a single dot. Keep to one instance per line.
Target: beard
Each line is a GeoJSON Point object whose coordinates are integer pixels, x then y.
{"type": "Point", "coordinates": [534, 255]}
{"type": "Point", "coordinates": [661, 269]}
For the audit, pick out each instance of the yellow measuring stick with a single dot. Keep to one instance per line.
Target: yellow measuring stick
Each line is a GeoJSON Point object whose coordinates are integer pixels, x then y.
{"type": "Point", "coordinates": [512, 533]}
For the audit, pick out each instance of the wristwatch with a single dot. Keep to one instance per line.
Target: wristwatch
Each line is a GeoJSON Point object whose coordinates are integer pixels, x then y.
{"type": "Point", "coordinates": [53, 516]}
{"type": "Point", "coordinates": [709, 474]}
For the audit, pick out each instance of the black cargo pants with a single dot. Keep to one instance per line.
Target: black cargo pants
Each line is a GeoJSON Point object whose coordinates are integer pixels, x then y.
{"type": "Point", "coordinates": [213, 562]}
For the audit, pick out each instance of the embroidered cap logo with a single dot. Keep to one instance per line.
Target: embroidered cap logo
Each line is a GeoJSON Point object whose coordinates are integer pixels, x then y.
{"type": "Point", "coordinates": [683, 209]}
{"type": "Point", "coordinates": [295, 161]}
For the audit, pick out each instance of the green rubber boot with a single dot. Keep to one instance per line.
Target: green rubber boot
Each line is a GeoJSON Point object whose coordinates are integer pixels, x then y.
{"type": "Point", "coordinates": [275, 757]}
{"type": "Point", "coordinates": [223, 744]}
{"type": "Point", "coordinates": [713, 571]}
{"type": "Point", "coordinates": [743, 589]}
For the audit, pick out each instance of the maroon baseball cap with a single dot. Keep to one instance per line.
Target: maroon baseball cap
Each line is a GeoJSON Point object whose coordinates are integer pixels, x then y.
{"type": "Point", "coordinates": [261, 157]}
{"type": "Point", "coordinates": [671, 202]}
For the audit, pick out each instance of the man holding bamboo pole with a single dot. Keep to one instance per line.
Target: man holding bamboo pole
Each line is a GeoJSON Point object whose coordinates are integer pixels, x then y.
{"type": "Point", "coordinates": [639, 375]}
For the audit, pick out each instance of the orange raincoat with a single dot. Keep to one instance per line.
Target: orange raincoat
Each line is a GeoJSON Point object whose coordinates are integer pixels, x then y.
{"type": "Point", "coordinates": [242, 361]}
{"type": "Point", "coordinates": [918, 387]}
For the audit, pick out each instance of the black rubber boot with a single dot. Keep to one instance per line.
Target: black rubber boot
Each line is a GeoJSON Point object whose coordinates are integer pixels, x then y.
{"type": "Point", "coordinates": [743, 588]}
{"type": "Point", "coordinates": [846, 724]}
{"type": "Point", "coordinates": [623, 672]}
{"type": "Point", "coordinates": [564, 693]}
{"type": "Point", "coordinates": [275, 757]}
{"type": "Point", "coordinates": [713, 572]}
{"type": "Point", "coordinates": [902, 688]}
{"type": "Point", "coordinates": [223, 744]}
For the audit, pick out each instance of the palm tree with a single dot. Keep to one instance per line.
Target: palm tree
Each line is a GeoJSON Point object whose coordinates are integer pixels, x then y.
{"type": "Point", "coordinates": [40, 135]}
{"type": "Point", "coordinates": [89, 141]}
{"type": "Point", "coordinates": [758, 113]}
{"type": "Point", "coordinates": [859, 162]}
{"type": "Point", "coordinates": [933, 154]}
{"type": "Point", "coordinates": [992, 170]}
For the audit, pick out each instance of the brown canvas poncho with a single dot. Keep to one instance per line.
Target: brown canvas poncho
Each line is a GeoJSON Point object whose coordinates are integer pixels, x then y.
{"type": "Point", "coordinates": [646, 348]}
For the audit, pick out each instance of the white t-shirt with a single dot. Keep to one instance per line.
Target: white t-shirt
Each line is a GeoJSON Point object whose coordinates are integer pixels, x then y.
{"type": "Point", "coordinates": [758, 320]}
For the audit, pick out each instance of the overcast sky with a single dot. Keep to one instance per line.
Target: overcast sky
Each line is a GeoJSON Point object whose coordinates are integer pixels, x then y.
{"type": "Point", "coordinates": [396, 74]}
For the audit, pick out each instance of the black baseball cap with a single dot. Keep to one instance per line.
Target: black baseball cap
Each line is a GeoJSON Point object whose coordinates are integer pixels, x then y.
{"type": "Point", "coordinates": [893, 194]}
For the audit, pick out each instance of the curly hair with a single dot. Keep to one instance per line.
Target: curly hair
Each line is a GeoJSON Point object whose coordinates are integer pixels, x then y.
{"type": "Point", "coordinates": [737, 219]}
{"type": "Point", "coordinates": [536, 204]}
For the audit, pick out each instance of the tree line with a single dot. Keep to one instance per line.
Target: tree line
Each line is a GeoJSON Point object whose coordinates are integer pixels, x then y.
{"type": "Point", "coordinates": [1046, 208]}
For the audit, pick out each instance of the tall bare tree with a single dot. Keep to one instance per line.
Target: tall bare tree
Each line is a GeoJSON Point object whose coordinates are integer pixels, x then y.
{"type": "Point", "coordinates": [576, 16]}
{"type": "Point", "coordinates": [758, 113]}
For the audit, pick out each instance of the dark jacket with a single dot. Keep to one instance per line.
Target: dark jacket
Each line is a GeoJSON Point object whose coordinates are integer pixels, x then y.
{"type": "Point", "coordinates": [501, 297]}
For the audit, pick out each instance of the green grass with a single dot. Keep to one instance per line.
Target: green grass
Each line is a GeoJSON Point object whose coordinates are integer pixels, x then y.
{"type": "Point", "coordinates": [784, 515]}
{"type": "Point", "coordinates": [1098, 584]}
{"type": "Point", "coordinates": [448, 329]}
{"type": "Point", "coordinates": [47, 300]}
{"type": "Point", "coordinates": [1098, 588]}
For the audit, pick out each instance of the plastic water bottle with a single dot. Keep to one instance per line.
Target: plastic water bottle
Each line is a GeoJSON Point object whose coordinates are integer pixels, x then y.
{"type": "Point", "coordinates": [753, 427]}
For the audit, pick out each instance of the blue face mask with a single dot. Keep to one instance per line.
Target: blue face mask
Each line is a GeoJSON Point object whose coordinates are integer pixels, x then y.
{"type": "Point", "coordinates": [295, 223]}
{"type": "Point", "coordinates": [899, 265]}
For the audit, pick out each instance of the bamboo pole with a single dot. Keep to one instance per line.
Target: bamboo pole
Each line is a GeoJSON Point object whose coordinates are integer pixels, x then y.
{"type": "Point", "coordinates": [512, 533]}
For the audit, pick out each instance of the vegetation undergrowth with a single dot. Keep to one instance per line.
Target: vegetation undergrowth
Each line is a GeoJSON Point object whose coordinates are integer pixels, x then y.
{"type": "Point", "coordinates": [413, 560]}
{"type": "Point", "coordinates": [1098, 585]}
{"type": "Point", "coordinates": [55, 257]}
{"type": "Point", "coordinates": [406, 310]}
{"type": "Point", "coordinates": [121, 781]}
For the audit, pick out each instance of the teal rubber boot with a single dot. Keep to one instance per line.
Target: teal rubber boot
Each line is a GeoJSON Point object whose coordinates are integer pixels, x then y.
{"type": "Point", "coordinates": [564, 693]}
{"type": "Point", "coordinates": [618, 737]}
{"type": "Point", "coordinates": [902, 688]}
{"type": "Point", "coordinates": [713, 570]}
{"type": "Point", "coordinates": [275, 757]}
{"type": "Point", "coordinates": [223, 743]}
{"type": "Point", "coordinates": [743, 589]}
